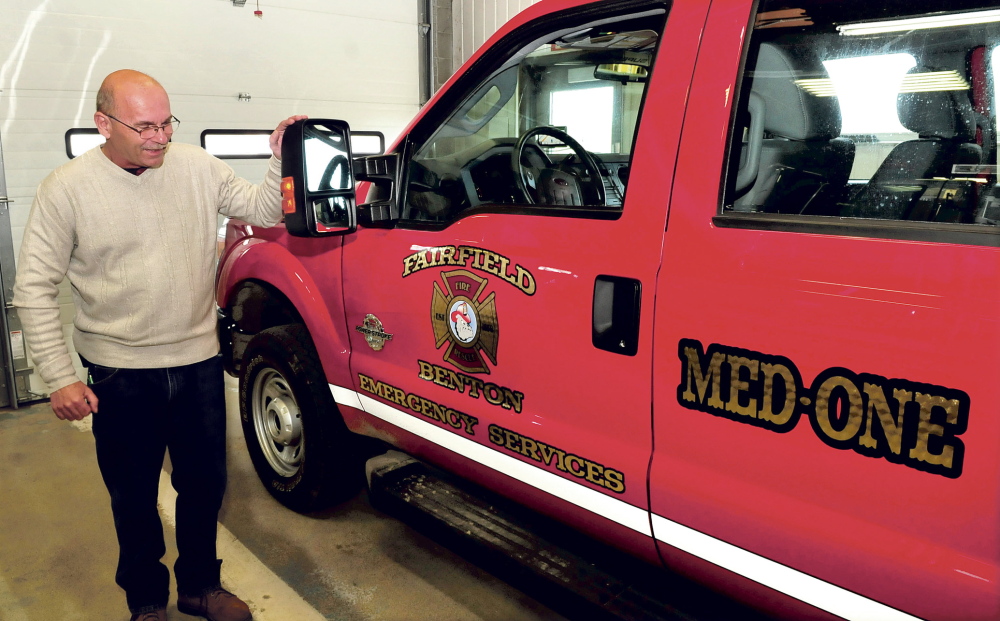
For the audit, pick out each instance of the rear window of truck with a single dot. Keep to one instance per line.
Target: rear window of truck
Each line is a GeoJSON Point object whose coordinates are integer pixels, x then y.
{"type": "Point", "coordinates": [877, 117]}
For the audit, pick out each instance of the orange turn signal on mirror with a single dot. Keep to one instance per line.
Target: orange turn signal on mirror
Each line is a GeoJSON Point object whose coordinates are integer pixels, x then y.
{"type": "Point", "coordinates": [288, 195]}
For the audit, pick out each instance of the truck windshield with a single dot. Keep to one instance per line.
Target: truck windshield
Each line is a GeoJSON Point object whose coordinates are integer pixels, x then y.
{"type": "Point", "coordinates": [569, 101]}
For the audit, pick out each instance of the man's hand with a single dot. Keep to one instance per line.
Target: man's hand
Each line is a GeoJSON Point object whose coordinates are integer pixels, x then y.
{"type": "Point", "coordinates": [73, 402]}
{"type": "Point", "coordinates": [279, 133]}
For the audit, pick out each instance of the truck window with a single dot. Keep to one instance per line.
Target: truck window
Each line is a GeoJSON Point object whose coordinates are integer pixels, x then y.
{"type": "Point", "coordinates": [551, 126]}
{"type": "Point", "coordinates": [877, 112]}
{"type": "Point", "coordinates": [586, 113]}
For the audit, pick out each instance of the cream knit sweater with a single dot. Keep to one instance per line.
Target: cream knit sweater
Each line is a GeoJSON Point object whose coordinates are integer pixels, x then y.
{"type": "Point", "coordinates": [140, 255]}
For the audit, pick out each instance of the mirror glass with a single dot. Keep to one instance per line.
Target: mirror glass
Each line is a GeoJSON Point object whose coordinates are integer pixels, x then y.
{"type": "Point", "coordinates": [331, 212]}
{"type": "Point", "coordinates": [621, 72]}
{"type": "Point", "coordinates": [328, 164]}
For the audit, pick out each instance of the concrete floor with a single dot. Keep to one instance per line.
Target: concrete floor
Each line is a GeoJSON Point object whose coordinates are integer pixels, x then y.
{"type": "Point", "coordinates": [58, 550]}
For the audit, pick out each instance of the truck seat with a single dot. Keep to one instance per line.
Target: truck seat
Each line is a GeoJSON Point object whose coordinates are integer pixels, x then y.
{"type": "Point", "coordinates": [945, 124]}
{"type": "Point", "coordinates": [801, 159]}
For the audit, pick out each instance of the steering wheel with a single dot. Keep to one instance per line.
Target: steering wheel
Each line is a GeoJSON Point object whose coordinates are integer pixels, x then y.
{"type": "Point", "coordinates": [549, 185]}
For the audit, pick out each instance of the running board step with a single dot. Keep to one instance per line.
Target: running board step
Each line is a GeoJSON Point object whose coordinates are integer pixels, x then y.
{"type": "Point", "coordinates": [489, 530]}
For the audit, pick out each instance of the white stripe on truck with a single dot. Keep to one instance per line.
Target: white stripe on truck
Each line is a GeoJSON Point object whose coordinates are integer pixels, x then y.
{"type": "Point", "coordinates": [791, 582]}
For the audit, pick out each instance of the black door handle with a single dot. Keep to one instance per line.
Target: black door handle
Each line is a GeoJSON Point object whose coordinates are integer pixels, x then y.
{"type": "Point", "coordinates": [616, 314]}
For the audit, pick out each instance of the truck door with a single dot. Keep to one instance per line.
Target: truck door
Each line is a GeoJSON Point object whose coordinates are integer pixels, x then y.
{"type": "Point", "coordinates": [502, 327]}
{"type": "Point", "coordinates": [824, 380]}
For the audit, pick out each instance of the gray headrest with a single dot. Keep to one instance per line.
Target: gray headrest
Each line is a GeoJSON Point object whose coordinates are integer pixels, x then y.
{"type": "Point", "coordinates": [790, 111]}
{"type": "Point", "coordinates": [937, 114]}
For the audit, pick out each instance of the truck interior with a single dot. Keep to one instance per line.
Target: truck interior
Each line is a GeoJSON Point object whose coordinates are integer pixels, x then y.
{"type": "Point", "coordinates": [552, 126]}
{"type": "Point", "coordinates": [872, 110]}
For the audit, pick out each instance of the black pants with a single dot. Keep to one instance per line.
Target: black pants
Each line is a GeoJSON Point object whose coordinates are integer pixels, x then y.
{"type": "Point", "coordinates": [141, 414]}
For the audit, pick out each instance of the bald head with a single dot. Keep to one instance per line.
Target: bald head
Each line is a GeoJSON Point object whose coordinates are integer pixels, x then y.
{"type": "Point", "coordinates": [124, 84]}
{"type": "Point", "coordinates": [128, 102]}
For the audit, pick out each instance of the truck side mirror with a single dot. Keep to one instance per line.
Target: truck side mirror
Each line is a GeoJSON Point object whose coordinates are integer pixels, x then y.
{"type": "Point", "coordinates": [317, 185]}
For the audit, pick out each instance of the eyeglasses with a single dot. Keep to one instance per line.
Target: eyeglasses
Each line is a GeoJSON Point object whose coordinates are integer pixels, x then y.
{"type": "Point", "coordinates": [150, 130]}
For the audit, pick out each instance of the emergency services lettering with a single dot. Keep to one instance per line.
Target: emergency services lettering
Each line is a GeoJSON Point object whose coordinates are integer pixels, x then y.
{"type": "Point", "coordinates": [901, 421]}
{"type": "Point", "coordinates": [416, 403]}
{"type": "Point", "coordinates": [563, 461]}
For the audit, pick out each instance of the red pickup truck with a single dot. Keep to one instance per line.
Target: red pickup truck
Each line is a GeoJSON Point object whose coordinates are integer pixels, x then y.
{"type": "Point", "coordinates": [710, 281]}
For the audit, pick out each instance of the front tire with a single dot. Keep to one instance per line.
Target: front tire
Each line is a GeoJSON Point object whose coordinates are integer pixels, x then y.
{"type": "Point", "coordinates": [297, 440]}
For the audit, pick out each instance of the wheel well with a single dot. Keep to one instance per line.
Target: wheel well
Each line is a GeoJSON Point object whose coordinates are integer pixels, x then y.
{"type": "Point", "coordinates": [258, 306]}
{"type": "Point", "coordinates": [254, 306]}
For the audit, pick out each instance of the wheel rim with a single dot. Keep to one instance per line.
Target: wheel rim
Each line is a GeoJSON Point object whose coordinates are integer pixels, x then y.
{"type": "Point", "coordinates": [277, 422]}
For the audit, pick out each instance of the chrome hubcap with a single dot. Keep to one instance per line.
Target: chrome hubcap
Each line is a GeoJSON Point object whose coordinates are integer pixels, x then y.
{"type": "Point", "coordinates": [277, 421]}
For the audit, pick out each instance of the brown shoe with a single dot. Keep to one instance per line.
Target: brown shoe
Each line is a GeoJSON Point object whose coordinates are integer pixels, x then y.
{"type": "Point", "coordinates": [217, 604]}
{"type": "Point", "coordinates": [155, 615]}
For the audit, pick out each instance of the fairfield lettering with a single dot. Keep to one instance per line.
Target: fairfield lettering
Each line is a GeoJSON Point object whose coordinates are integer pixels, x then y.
{"type": "Point", "coordinates": [472, 258]}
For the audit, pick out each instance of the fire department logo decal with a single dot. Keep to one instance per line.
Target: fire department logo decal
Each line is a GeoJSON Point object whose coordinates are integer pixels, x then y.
{"type": "Point", "coordinates": [466, 321]}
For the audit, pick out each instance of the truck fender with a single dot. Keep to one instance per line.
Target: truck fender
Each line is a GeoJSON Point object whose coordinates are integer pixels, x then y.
{"type": "Point", "coordinates": [258, 260]}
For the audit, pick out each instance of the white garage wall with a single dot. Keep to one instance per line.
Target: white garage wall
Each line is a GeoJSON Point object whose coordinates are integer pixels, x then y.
{"type": "Point", "coordinates": [326, 58]}
{"type": "Point", "coordinates": [477, 20]}
{"type": "Point", "coordinates": [334, 58]}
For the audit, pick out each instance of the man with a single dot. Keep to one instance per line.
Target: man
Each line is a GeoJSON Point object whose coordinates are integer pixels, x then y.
{"type": "Point", "coordinates": [133, 225]}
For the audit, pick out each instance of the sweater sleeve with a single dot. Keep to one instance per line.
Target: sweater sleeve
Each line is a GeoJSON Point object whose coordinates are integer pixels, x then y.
{"type": "Point", "coordinates": [259, 205]}
{"type": "Point", "coordinates": [42, 265]}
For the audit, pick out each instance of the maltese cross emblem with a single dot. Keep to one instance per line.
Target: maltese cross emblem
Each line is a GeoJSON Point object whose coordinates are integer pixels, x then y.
{"type": "Point", "coordinates": [465, 322]}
